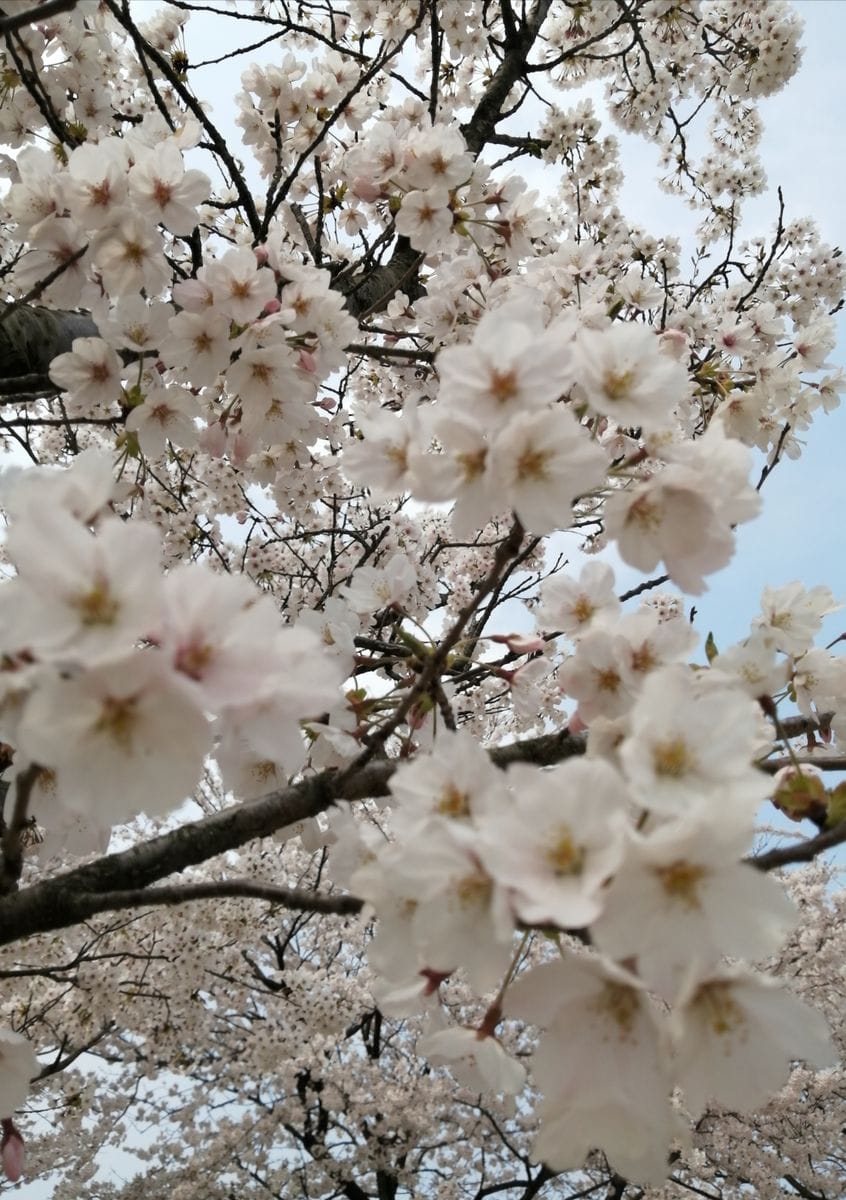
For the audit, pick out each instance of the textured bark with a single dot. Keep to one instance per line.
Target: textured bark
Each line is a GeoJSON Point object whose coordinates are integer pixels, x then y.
{"type": "Point", "coordinates": [31, 337]}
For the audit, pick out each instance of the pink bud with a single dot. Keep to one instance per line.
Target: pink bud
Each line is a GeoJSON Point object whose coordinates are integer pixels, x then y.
{"type": "Point", "coordinates": [674, 343]}
{"type": "Point", "coordinates": [365, 189]}
{"type": "Point", "coordinates": [272, 306]}
{"type": "Point", "coordinates": [240, 450]}
{"type": "Point", "coordinates": [213, 440]}
{"type": "Point", "coordinates": [519, 643]}
{"type": "Point", "coordinates": [307, 361]}
{"type": "Point", "coordinates": [261, 254]}
{"type": "Point", "coordinates": [576, 724]}
{"type": "Point", "coordinates": [12, 1151]}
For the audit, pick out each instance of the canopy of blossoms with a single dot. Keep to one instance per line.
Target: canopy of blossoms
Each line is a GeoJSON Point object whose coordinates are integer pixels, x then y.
{"type": "Point", "coordinates": [314, 447]}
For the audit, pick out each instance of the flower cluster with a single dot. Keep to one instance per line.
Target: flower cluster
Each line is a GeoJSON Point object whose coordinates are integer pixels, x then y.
{"type": "Point", "coordinates": [118, 681]}
{"type": "Point", "coordinates": [637, 849]}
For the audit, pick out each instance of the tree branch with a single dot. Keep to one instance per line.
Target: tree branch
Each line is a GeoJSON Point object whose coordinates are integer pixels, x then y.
{"type": "Point", "coordinates": [68, 898]}
{"type": "Point", "coordinates": [800, 852]}
{"type": "Point", "coordinates": [30, 16]}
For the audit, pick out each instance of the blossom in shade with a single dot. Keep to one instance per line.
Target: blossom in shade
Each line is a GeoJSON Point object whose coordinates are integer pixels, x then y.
{"type": "Point", "coordinates": [734, 1035]}
{"type": "Point", "coordinates": [601, 1065]}
{"type": "Point", "coordinates": [682, 894]}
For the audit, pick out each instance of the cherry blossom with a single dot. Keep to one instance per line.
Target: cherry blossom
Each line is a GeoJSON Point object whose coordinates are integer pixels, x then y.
{"type": "Point", "coordinates": [334, 751]}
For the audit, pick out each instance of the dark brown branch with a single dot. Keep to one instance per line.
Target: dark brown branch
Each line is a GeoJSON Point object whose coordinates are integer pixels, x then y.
{"type": "Point", "coordinates": [30, 16]}
{"type": "Point", "coordinates": [297, 899]}
{"type": "Point", "coordinates": [800, 852]}
{"type": "Point", "coordinates": [50, 904]}
{"type": "Point", "coordinates": [482, 124]}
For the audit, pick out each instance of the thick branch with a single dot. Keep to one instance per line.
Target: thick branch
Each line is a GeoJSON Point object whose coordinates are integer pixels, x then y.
{"type": "Point", "coordinates": [31, 337]}
{"type": "Point", "coordinates": [65, 899]}
{"type": "Point", "coordinates": [478, 130]}
{"type": "Point", "coordinates": [31, 16]}
{"type": "Point", "coordinates": [297, 899]}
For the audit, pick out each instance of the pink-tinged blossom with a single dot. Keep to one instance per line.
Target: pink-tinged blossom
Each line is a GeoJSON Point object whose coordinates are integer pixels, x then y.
{"type": "Point", "coordinates": [624, 374]}
{"type": "Point", "coordinates": [239, 286]}
{"type": "Point", "coordinates": [558, 841]}
{"type": "Point", "coordinates": [263, 374]}
{"type": "Point", "coordinates": [91, 372]}
{"type": "Point", "coordinates": [734, 1035]}
{"type": "Point", "coordinates": [11, 1151]}
{"type": "Point", "coordinates": [96, 184]}
{"type": "Point", "coordinates": [601, 1065]}
{"type": "Point", "coordinates": [218, 633]}
{"type": "Point", "coordinates": [121, 738]}
{"type": "Point", "coordinates": [18, 1065]}
{"type": "Point", "coordinates": [437, 157]}
{"type": "Point", "coordinates": [164, 191]}
{"type": "Point", "coordinates": [198, 346]}
{"type": "Point", "coordinates": [57, 242]}
{"type": "Point", "coordinates": [40, 192]}
{"type": "Point", "coordinates": [130, 256]}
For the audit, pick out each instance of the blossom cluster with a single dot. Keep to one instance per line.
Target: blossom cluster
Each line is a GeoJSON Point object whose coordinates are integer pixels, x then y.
{"type": "Point", "coordinates": [637, 849]}
{"type": "Point", "coordinates": [290, 387]}
{"type": "Point", "coordinates": [118, 680]}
